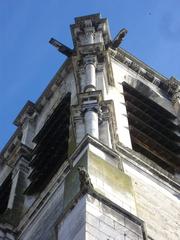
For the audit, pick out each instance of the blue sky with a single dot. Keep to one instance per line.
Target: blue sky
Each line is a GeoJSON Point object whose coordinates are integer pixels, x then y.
{"type": "Point", "coordinates": [28, 62]}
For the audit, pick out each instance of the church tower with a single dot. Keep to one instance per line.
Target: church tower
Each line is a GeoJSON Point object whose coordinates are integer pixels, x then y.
{"type": "Point", "coordinates": [96, 157]}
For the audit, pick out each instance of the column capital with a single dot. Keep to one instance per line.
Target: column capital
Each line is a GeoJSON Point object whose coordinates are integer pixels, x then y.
{"type": "Point", "coordinates": [90, 59]}
{"type": "Point", "coordinates": [90, 106]}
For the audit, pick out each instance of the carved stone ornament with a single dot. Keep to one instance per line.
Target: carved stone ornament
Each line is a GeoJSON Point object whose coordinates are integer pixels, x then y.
{"type": "Point", "coordinates": [105, 113]}
{"type": "Point", "coordinates": [173, 88]}
{"type": "Point", "coordinates": [90, 59]}
{"type": "Point", "coordinates": [173, 85]}
{"type": "Point", "coordinates": [90, 107]}
{"type": "Point", "coordinates": [119, 38]}
{"type": "Point", "coordinates": [175, 97]}
{"type": "Point", "coordinates": [85, 181]}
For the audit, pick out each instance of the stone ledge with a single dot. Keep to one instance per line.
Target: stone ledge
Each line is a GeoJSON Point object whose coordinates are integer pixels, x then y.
{"type": "Point", "coordinates": [145, 164]}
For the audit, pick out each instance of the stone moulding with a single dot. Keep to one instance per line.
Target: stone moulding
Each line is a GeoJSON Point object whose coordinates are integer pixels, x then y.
{"type": "Point", "coordinates": [144, 164]}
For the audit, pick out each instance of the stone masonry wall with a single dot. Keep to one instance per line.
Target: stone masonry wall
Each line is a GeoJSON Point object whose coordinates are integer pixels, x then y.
{"type": "Point", "coordinates": [43, 227]}
{"type": "Point", "coordinates": [157, 207]}
{"type": "Point", "coordinates": [90, 219]}
{"type": "Point", "coordinates": [72, 227]}
{"type": "Point", "coordinates": [105, 223]}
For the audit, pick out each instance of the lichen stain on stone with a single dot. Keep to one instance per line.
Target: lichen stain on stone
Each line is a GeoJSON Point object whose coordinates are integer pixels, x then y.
{"type": "Point", "coordinates": [112, 176]}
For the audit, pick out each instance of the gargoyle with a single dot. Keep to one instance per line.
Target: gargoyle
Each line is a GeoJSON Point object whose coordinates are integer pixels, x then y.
{"type": "Point", "coordinates": [118, 39]}
{"type": "Point", "coordinates": [85, 181]}
{"type": "Point", "coordinates": [61, 47]}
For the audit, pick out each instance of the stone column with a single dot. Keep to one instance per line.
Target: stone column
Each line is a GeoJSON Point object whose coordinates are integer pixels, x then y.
{"type": "Point", "coordinates": [104, 131]}
{"type": "Point", "coordinates": [91, 111]}
{"type": "Point", "coordinates": [90, 68]}
{"type": "Point", "coordinates": [28, 132]}
{"type": "Point", "coordinates": [90, 107]}
{"type": "Point", "coordinates": [79, 126]}
{"type": "Point", "coordinates": [19, 184]}
{"type": "Point", "coordinates": [91, 123]}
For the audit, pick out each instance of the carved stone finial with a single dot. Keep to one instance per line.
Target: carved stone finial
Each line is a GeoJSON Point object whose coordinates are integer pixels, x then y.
{"type": "Point", "coordinates": [85, 181]}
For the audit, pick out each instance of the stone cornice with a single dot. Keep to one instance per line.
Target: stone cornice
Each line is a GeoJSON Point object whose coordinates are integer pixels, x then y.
{"type": "Point", "coordinates": [137, 66]}
{"type": "Point", "coordinates": [28, 110]}
{"type": "Point", "coordinates": [145, 165]}
{"type": "Point", "coordinates": [170, 86]}
{"type": "Point", "coordinates": [90, 140]}
{"type": "Point", "coordinates": [138, 63]}
{"type": "Point", "coordinates": [152, 91]}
